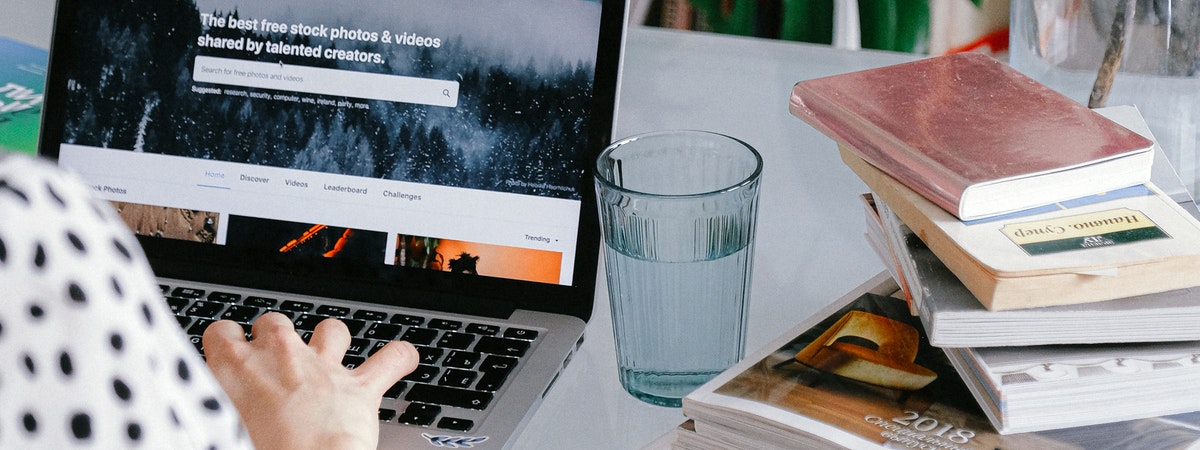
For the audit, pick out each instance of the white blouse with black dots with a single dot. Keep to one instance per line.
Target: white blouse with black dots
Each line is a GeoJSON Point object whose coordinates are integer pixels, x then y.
{"type": "Point", "coordinates": [90, 355]}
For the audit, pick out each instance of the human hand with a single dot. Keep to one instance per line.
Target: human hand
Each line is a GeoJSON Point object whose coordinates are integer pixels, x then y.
{"type": "Point", "coordinates": [294, 396]}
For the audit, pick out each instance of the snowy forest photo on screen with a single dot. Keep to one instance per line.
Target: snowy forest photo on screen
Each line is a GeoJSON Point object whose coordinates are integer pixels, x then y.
{"type": "Point", "coordinates": [525, 72]}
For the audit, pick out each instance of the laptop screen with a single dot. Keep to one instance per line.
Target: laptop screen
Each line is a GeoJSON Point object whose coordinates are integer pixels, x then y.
{"type": "Point", "coordinates": [439, 143]}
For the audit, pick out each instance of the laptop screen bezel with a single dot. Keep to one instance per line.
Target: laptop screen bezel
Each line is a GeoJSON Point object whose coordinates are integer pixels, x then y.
{"type": "Point", "coordinates": [420, 288]}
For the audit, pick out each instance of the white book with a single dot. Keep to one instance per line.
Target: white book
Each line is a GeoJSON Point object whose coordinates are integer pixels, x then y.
{"type": "Point", "coordinates": [953, 318]}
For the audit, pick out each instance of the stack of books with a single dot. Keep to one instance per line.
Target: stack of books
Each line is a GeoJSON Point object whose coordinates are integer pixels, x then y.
{"type": "Point", "coordinates": [1046, 288]}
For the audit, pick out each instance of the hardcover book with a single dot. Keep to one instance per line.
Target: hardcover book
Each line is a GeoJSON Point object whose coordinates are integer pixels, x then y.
{"type": "Point", "coordinates": [860, 374]}
{"type": "Point", "coordinates": [972, 135]}
{"type": "Point", "coordinates": [22, 84]}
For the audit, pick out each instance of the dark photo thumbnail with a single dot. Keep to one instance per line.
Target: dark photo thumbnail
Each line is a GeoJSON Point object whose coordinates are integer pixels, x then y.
{"type": "Point", "coordinates": [306, 239]}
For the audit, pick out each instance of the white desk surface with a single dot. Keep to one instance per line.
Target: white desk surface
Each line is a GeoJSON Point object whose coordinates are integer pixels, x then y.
{"type": "Point", "coordinates": [809, 249]}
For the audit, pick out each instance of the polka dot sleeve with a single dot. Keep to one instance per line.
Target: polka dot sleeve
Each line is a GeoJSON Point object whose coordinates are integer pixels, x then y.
{"type": "Point", "coordinates": [90, 355]}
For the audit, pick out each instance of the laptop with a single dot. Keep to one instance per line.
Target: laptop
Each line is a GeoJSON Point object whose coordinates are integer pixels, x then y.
{"type": "Point", "coordinates": [419, 169]}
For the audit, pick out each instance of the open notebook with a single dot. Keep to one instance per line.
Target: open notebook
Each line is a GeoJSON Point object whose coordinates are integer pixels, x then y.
{"type": "Point", "coordinates": [420, 169]}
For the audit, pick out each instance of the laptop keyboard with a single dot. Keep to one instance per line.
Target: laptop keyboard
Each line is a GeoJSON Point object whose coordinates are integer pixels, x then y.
{"type": "Point", "coordinates": [464, 364]}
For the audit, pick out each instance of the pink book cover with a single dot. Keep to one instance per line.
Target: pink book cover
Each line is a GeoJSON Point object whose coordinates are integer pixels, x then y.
{"type": "Point", "coordinates": [941, 124]}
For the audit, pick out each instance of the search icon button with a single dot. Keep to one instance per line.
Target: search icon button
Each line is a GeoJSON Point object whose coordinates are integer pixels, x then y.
{"type": "Point", "coordinates": [446, 92]}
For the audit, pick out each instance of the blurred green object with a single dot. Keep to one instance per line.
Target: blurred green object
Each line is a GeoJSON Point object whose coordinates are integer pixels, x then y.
{"type": "Point", "coordinates": [737, 20]}
{"type": "Point", "coordinates": [807, 21]}
{"type": "Point", "coordinates": [895, 25]}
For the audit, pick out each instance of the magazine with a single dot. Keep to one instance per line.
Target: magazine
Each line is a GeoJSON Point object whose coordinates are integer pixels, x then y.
{"type": "Point", "coordinates": [861, 374]}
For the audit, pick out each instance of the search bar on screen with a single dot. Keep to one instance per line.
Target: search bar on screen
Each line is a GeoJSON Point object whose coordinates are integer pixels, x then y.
{"type": "Point", "coordinates": [321, 81]}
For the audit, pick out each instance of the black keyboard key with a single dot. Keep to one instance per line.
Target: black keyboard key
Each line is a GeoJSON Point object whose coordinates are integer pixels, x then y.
{"type": "Point", "coordinates": [491, 381]}
{"type": "Point", "coordinates": [386, 414]}
{"type": "Point", "coordinates": [197, 342]}
{"type": "Point", "coordinates": [184, 321]}
{"type": "Point", "coordinates": [241, 313]}
{"type": "Point", "coordinates": [366, 314]}
{"type": "Point", "coordinates": [308, 322]}
{"type": "Point", "coordinates": [461, 359]}
{"type": "Point", "coordinates": [261, 302]}
{"type": "Point", "coordinates": [521, 333]}
{"type": "Point", "coordinates": [502, 346]}
{"type": "Point", "coordinates": [207, 310]}
{"type": "Point", "coordinates": [448, 396]}
{"type": "Point", "coordinates": [376, 346]}
{"type": "Point", "coordinates": [383, 331]}
{"type": "Point", "coordinates": [423, 374]}
{"type": "Point", "coordinates": [497, 363]}
{"type": "Point", "coordinates": [292, 305]}
{"type": "Point", "coordinates": [354, 325]}
{"type": "Point", "coordinates": [198, 327]}
{"type": "Point", "coordinates": [408, 319]}
{"type": "Point", "coordinates": [456, 340]}
{"type": "Point", "coordinates": [430, 355]}
{"type": "Point", "coordinates": [443, 324]}
{"type": "Point", "coordinates": [358, 346]}
{"type": "Point", "coordinates": [177, 304]}
{"type": "Point", "coordinates": [190, 293]}
{"type": "Point", "coordinates": [225, 297]}
{"type": "Point", "coordinates": [455, 424]}
{"type": "Point", "coordinates": [396, 390]}
{"type": "Point", "coordinates": [165, 289]}
{"type": "Point", "coordinates": [420, 414]}
{"type": "Point", "coordinates": [484, 330]}
{"type": "Point", "coordinates": [419, 336]}
{"type": "Point", "coordinates": [352, 361]}
{"type": "Point", "coordinates": [333, 311]}
{"type": "Point", "coordinates": [458, 378]}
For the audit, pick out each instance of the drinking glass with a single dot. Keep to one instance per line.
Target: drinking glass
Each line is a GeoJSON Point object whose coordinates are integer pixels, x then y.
{"type": "Point", "coordinates": [677, 211]}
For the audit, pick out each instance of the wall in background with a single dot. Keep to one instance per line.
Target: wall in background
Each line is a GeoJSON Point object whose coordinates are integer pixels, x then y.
{"type": "Point", "coordinates": [914, 26]}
